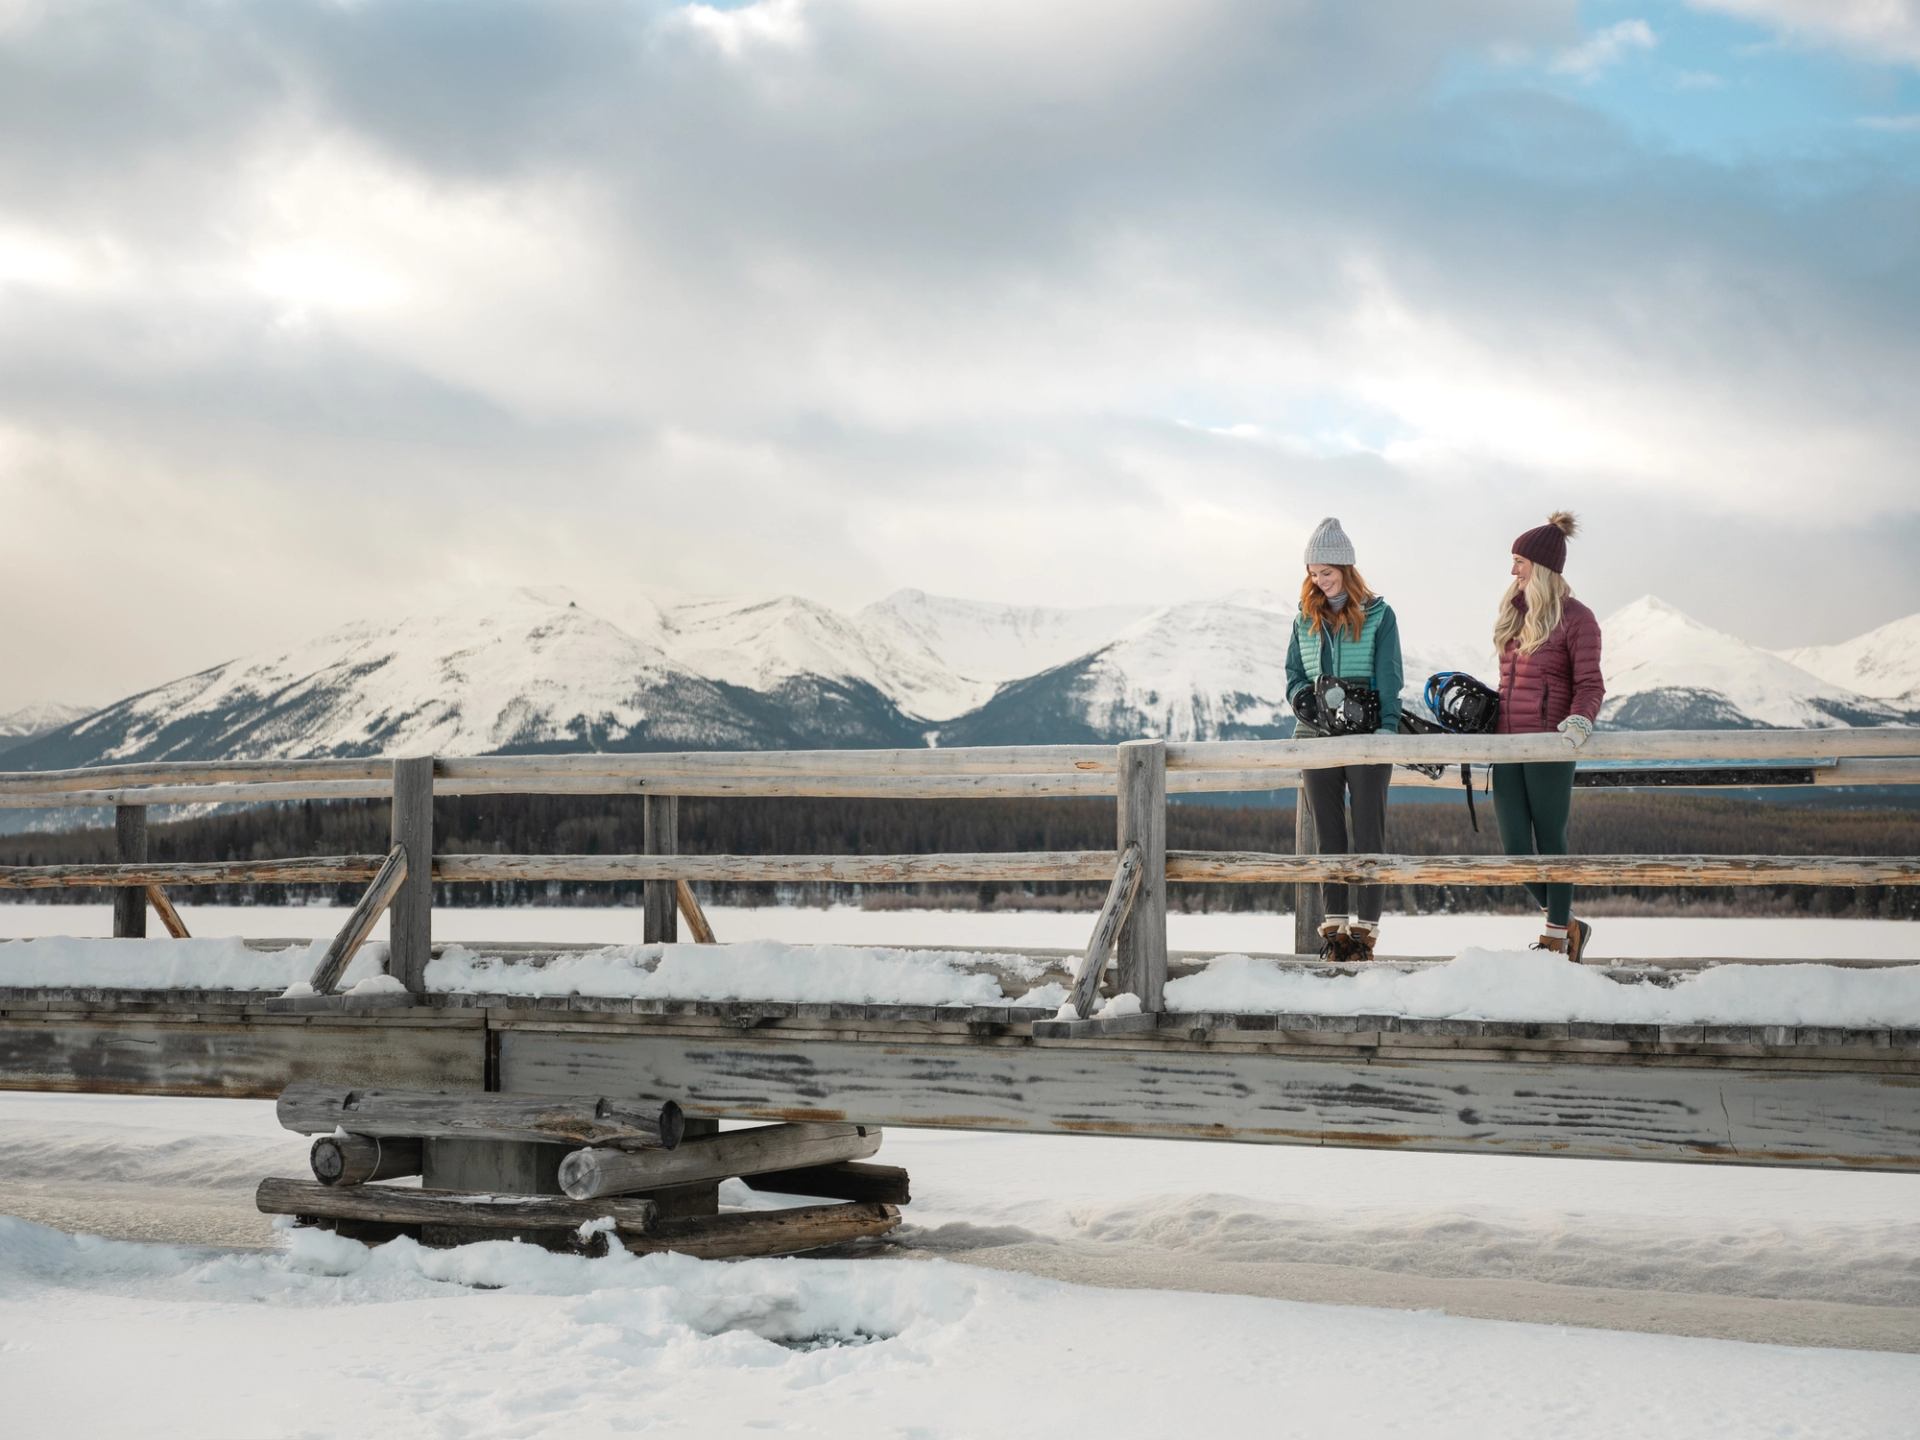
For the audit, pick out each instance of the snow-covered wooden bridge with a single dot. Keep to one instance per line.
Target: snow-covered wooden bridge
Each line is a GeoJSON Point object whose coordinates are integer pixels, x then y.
{"type": "Point", "coordinates": [1766, 1094]}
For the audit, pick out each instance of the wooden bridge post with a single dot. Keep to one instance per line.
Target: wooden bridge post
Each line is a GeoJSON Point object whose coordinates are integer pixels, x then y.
{"type": "Point", "coordinates": [1309, 904]}
{"type": "Point", "coordinates": [410, 916]}
{"type": "Point", "coordinates": [660, 835]}
{"type": "Point", "coordinates": [130, 902]}
{"type": "Point", "coordinates": [1142, 948]}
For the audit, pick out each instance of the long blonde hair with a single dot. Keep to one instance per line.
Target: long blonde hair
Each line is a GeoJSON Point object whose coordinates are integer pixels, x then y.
{"type": "Point", "coordinates": [1546, 592]}
{"type": "Point", "coordinates": [1322, 618]}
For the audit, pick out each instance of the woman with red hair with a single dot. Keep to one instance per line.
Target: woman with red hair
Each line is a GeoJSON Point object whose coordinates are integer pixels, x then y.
{"type": "Point", "coordinates": [1346, 644]}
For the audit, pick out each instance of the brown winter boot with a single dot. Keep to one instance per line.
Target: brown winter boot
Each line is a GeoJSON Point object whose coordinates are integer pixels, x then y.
{"type": "Point", "coordinates": [1578, 933]}
{"type": "Point", "coordinates": [1556, 944]}
{"type": "Point", "coordinates": [1333, 938]}
{"type": "Point", "coordinates": [1360, 941]}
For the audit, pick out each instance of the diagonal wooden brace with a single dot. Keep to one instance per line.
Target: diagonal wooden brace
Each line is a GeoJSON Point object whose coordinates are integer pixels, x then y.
{"type": "Point", "coordinates": [1106, 929]}
{"type": "Point", "coordinates": [169, 917]}
{"type": "Point", "coordinates": [353, 934]}
{"type": "Point", "coordinates": [691, 912]}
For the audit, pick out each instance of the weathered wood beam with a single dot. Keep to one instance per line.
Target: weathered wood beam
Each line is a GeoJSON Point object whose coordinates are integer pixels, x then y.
{"type": "Point", "coordinates": [1868, 772]}
{"type": "Point", "coordinates": [1185, 866]}
{"type": "Point", "coordinates": [691, 912]}
{"type": "Point", "coordinates": [304, 870]}
{"type": "Point", "coordinates": [744, 784]}
{"type": "Point", "coordinates": [404, 1205]}
{"type": "Point", "coordinates": [130, 842]}
{"type": "Point", "coordinates": [764, 1232]}
{"type": "Point", "coordinates": [311, 1108]}
{"type": "Point", "coordinates": [660, 835]}
{"type": "Point", "coordinates": [1248, 867]}
{"type": "Point", "coordinates": [1836, 756]}
{"type": "Point", "coordinates": [849, 1180]}
{"type": "Point", "coordinates": [596, 1171]}
{"type": "Point", "coordinates": [169, 917]}
{"type": "Point", "coordinates": [185, 794]}
{"type": "Point", "coordinates": [191, 772]}
{"type": "Point", "coordinates": [410, 910]}
{"type": "Point", "coordinates": [357, 1159]}
{"type": "Point", "coordinates": [961, 760]}
{"type": "Point", "coordinates": [1615, 1106]}
{"type": "Point", "coordinates": [1106, 928]}
{"type": "Point", "coordinates": [867, 869]}
{"type": "Point", "coordinates": [1901, 741]}
{"type": "Point", "coordinates": [1309, 904]}
{"type": "Point", "coordinates": [1140, 951]}
{"type": "Point", "coordinates": [235, 1052]}
{"type": "Point", "coordinates": [360, 922]}
{"type": "Point", "coordinates": [935, 787]}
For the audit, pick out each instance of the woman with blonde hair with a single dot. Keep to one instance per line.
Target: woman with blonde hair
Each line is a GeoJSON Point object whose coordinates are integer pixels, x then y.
{"type": "Point", "coordinates": [1549, 649]}
{"type": "Point", "coordinates": [1343, 678]}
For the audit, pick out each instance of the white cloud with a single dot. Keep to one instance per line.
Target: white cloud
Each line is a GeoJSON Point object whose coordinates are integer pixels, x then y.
{"type": "Point", "coordinates": [881, 299]}
{"type": "Point", "coordinates": [734, 31]}
{"type": "Point", "coordinates": [1899, 124]}
{"type": "Point", "coordinates": [1604, 49]}
{"type": "Point", "coordinates": [1877, 29]}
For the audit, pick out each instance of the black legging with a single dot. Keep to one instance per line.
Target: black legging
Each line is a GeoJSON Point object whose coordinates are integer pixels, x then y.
{"type": "Point", "coordinates": [1327, 793]}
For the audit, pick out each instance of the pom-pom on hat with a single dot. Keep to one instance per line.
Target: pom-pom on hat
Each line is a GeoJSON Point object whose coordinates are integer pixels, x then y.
{"type": "Point", "coordinates": [1547, 544]}
{"type": "Point", "coordinates": [1329, 545]}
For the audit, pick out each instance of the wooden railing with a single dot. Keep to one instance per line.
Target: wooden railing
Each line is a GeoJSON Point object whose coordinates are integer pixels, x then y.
{"type": "Point", "coordinates": [1140, 774]}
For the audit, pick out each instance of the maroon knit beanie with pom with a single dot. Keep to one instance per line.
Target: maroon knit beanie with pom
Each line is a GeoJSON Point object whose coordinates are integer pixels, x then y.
{"type": "Point", "coordinates": [1547, 544]}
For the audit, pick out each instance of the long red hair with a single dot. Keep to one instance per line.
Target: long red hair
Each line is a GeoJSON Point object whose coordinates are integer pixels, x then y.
{"type": "Point", "coordinates": [1351, 617]}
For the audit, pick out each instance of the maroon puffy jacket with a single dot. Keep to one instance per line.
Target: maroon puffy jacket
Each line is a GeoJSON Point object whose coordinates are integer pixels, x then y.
{"type": "Point", "coordinates": [1559, 679]}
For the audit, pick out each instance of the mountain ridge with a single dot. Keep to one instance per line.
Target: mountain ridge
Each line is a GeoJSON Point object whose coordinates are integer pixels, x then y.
{"type": "Point", "coordinates": [536, 670]}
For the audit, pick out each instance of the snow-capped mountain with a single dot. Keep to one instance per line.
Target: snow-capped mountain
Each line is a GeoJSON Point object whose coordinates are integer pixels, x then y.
{"type": "Point", "coordinates": [17, 726]}
{"type": "Point", "coordinates": [537, 669]}
{"type": "Point", "coordinates": [1665, 670]}
{"type": "Point", "coordinates": [1200, 671]}
{"type": "Point", "coordinates": [1207, 670]}
{"type": "Point", "coordinates": [787, 646]}
{"type": "Point", "coordinates": [1883, 663]}
{"type": "Point", "coordinates": [981, 646]}
{"type": "Point", "coordinates": [533, 672]}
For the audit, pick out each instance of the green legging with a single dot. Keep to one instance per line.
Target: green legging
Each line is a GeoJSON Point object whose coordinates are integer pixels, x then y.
{"type": "Point", "coordinates": [1533, 802]}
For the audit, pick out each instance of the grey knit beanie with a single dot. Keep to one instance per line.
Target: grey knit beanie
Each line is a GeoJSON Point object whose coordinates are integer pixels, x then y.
{"type": "Point", "coordinates": [1329, 545]}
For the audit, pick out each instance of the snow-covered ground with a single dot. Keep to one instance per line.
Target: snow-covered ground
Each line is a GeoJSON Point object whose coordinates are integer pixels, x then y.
{"type": "Point", "coordinates": [1188, 1245]}
{"type": "Point", "coordinates": [1042, 1284]}
{"type": "Point", "coordinates": [330, 1338]}
{"type": "Point", "coordinates": [1615, 937]}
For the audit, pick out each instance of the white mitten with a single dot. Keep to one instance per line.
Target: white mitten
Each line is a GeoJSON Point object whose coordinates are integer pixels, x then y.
{"type": "Point", "coordinates": [1578, 730]}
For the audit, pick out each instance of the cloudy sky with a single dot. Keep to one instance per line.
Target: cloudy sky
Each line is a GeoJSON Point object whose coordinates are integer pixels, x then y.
{"type": "Point", "coordinates": [312, 309]}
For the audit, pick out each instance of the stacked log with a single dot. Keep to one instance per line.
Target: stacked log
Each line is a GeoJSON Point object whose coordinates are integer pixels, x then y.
{"type": "Point", "coordinates": [627, 1184]}
{"type": "Point", "coordinates": [586, 1174]}
{"type": "Point", "coordinates": [357, 1159]}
